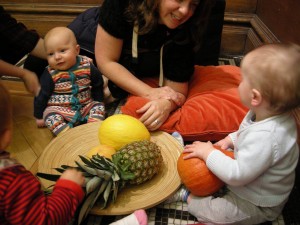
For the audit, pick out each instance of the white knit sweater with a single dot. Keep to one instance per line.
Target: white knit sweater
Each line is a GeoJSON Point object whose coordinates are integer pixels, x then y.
{"type": "Point", "coordinates": [266, 154]}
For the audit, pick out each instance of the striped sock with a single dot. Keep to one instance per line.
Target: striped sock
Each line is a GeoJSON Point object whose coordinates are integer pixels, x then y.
{"type": "Point", "coordinates": [181, 195]}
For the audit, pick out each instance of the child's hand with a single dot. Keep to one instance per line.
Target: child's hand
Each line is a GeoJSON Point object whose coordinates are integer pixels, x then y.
{"type": "Point", "coordinates": [225, 143]}
{"type": "Point", "coordinates": [73, 175]}
{"type": "Point", "coordinates": [198, 149]}
{"type": "Point", "coordinates": [40, 122]}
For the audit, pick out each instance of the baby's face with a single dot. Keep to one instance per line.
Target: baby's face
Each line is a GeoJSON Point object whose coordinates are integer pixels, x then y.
{"type": "Point", "coordinates": [61, 51]}
{"type": "Point", "coordinates": [245, 86]}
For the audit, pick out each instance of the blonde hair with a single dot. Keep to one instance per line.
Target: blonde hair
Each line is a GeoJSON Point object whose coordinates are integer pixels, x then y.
{"type": "Point", "coordinates": [5, 109]}
{"type": "Point", "coordinates": [275, 71]}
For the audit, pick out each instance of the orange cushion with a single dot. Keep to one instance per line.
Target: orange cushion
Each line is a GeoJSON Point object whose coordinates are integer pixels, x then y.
{"type": "Point", "coordinates": [212, 109]}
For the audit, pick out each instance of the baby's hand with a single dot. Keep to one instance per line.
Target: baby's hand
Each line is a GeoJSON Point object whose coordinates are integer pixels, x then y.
{"type": "Point", "coordinates": [73, 175]}
{"type": "Point", "coordinates": [198, 149]}
{"type": "Point", "coordinates": [225, 143]}
{"type": "Point", "coordinates": [40, 122]}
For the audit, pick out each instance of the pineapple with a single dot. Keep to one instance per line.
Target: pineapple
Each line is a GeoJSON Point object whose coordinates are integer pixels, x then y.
{"type": "Point", "coordinates": [134, 163]}
{"type": "Point", "coordinates": [142, 158]}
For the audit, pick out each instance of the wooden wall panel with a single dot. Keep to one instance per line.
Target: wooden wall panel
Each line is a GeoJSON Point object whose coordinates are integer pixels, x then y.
{"type": "Point", "coordinates": [241, 6]}
{"type": "Point", "coordinates": [282, 17]}
{"type": "Point", "coordinates": [44, 16]}
{"type": "Point", "coordinates": [233, 40]}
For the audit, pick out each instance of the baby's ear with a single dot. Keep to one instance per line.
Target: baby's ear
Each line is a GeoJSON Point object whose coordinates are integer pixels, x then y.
{"type": "Point", "coordinates": [77, 49]}
{"type": "Point", "coordinates": [5, 138]}
{"type": "Point", "coordinates": [256, 97]}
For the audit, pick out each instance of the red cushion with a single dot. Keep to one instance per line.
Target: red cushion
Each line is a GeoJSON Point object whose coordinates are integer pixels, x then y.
{"type": "Point", "coordinates": [212, 109]}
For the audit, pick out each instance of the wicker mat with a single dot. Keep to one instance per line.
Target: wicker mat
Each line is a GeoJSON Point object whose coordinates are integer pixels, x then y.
{"type": "Point", "coordinates": [177, 213]}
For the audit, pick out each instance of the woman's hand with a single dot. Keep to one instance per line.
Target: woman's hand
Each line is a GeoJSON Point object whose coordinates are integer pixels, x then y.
{"type": "Point", "coordinates": [167, 93]}
{"type": "Point", "coordinates": [163, 101]}
{"type": "Point", "coordinates": [30, 79]}
{"type": "Point", "coordinates": [155, 113]}
{"type": "Point", "coordinates": [31, 82]}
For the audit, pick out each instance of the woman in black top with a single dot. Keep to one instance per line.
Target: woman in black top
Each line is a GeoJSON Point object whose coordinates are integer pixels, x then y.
{"type": "Point", "coordinates": [150, 38]}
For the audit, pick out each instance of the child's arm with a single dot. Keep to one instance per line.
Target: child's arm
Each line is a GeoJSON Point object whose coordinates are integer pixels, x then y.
{"type": "Point", "coordinates": [41, 101]}
{"type": "Point", "coordinates": [25, 203]}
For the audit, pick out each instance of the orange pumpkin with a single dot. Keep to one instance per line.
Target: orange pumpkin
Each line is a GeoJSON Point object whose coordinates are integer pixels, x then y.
{"type": "Point", "coordinates": [196, 177]}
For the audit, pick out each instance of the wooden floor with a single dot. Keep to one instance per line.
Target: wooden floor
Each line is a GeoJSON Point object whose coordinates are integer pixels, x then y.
{"type": "Point", "coordinates": [28, 141]}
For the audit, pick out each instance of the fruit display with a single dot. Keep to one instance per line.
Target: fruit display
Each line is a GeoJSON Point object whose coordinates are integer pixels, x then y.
{"type": "Point", "coordinates": [119, 130]}
{"type": "Point", "coordinates": [197, 178]}
{"type": "Point", "coordinates": [134, 163]}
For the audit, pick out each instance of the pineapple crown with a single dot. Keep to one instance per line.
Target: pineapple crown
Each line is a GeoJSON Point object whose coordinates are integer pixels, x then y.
{"type": "Point", "coordinates": [123, 168]}
{"type": "Point", "coordinates": [103, 179]}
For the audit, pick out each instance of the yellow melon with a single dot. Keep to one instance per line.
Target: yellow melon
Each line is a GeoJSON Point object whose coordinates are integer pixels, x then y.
{"type": "Point", "coordinates": [103, 150]}
{"type": "Point", "coordinates": [119, 130]}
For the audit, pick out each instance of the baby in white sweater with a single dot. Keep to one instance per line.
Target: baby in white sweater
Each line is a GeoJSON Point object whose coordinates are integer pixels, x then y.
{"type": "Point", "coordinates": [261, 176]}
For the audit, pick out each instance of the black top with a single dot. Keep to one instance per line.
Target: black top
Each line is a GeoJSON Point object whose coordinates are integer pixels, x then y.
{"type": "Point", "coordinates": [15, 39]}
{"type": "Point", "coordinates": [178, 56]}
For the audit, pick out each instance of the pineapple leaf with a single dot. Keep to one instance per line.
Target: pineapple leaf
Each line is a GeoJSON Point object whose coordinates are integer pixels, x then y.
{"type": "Point", "coordinates": [106, 194]}
{"type": "Point", "coordinates": [86, 206]}
{"type": "Point", "coordinates": [115, 176]}
{"type": "Point", "coordinates": [86, 168]}
{"type": "Point", "coordinates": [100, 200]}
{"type": "Point", "coordinates": [102, 161]}
{"type": "Point", "coordinates": [86, 161]}
{"type": "Point", "coordinates": [106, 175]}
{"type": "Point", "coordinates": [117, 161]}
{"type": "Point", "coordinates": [127, 175]}
{"type": "Point", "coordinates": [98, 164]}
{"type": "Point", "coordinates": [60, 170]}
{"type": "Point", "coordinates": [47, 176]}
{"type": "Point", "coordinates": [90, 201]}
{"type": "Point", "coordinates": [86, 174]}
{"type": "Point", "coordinates": [123, 169]}
{"type": "Point", "coordinates": [67, 167]}
{"type": "Point", "coordinates": [93, 184]}
{"type": "Point", "coordinates": [103, 199]}
{"type": "Point", "coordinates": [86, 180]}
{"type": "Point", "coordinates": [115, 190]}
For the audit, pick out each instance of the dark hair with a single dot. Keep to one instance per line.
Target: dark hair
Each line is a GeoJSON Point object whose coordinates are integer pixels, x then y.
{"type": "Point", "coordinates": [146, 14]}
{"type": "Point", "coordinates": [198, 22]}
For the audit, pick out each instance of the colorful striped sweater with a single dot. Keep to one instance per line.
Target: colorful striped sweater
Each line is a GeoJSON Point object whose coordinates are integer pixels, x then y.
{"type": "Point", "coordinates": [73, 88]}
{"type": "Point", "coordinates": [23, 202]}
